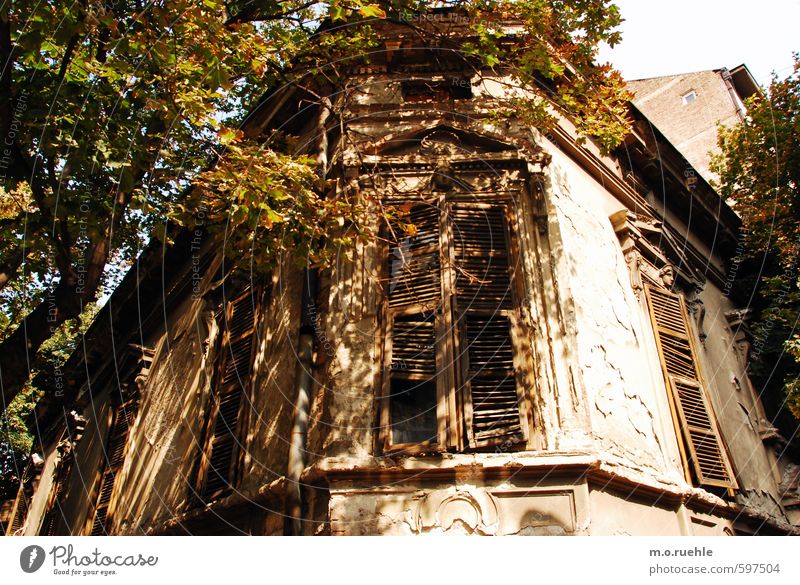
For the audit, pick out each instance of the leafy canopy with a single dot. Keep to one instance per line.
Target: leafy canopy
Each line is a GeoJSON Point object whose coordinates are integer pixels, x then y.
{"type": "Point", "coordinates": [759, 171]}
{"type": "Point", "coordinates": [121, 117]}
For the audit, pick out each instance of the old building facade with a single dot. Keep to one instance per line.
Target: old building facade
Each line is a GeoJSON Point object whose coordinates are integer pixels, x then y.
{"type": "Point", "coordinates": [544, 340]}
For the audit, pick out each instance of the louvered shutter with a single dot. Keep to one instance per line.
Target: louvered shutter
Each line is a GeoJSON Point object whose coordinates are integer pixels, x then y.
{"type": "Point", "coordinates": [20, 512]}
{"type": "Point", "coordinates": [414, 293]}
{"type": "Point", "coordinates": [484, 303]}
{"type": "Point", "coordinates": [689, 397]}
{"type": "Point", "coordinates": [414, 271]}
{"type": "Point", "coordinates": [413, 381]}
{"type": "Point", "coordinates": [222, 451]}
{"type": "Point", "coordinates": [116, 447]}
{"type": "Point", "coordinates": [50, 521]}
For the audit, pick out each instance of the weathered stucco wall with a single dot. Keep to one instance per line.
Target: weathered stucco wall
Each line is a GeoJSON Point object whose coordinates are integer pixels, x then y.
{"type": "Point", "coordinates": [162, 448]}
{"type": "Point", "coordinates": [348, 354]}
{"type": "Point", "coordinates": [621, 514]}
{"type": "Point", "coordinates": [626, 411]}
{"type": "Point", "coordinates": [274, 388]}
{"type": "Point", "coordinates": [517, 506]}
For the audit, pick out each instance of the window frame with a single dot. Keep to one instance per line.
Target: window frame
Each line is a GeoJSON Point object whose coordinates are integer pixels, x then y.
{"type": "Point", "coordinates": [453, 397]}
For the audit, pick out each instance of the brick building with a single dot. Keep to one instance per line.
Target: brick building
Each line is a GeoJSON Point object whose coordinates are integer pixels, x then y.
{"type": "Point", "coordinates": [687, 108]}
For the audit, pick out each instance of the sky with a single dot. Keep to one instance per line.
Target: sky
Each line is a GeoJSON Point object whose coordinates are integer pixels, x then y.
{"type": "Point", "coordinates": [665, 37]}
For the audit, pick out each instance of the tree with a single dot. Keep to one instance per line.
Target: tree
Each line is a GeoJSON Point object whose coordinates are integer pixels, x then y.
{"type": "Point", "coordinates": [118, 117]}
{"type": "Point", "coordinates": [759, 170]}
{"type": "Point", "coordinates": [16, 437]}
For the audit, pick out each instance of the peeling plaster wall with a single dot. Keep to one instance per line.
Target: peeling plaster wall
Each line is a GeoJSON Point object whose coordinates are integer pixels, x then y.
{"type": "Point", "coordinates": [163, 448]}
{"type": "Point", "coordinates": [348, 347]}
{"type": "Point", "coordinates": [470, 507]}
{"type": "Point", "coordinates": [619, 390]}
{"type": "Point", "coordinates": [613, 515]}
{"type": "Point", "coordinates": [274, 388]}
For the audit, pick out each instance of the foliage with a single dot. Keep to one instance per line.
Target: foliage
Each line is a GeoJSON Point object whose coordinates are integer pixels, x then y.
{"type": "Point", "coordinates": [16, 433]}
{"type": "Point", "coordinates": [12, 463]}
{"type": "Point", "coordinates": [759, 171]}
{"type": "Point", "coordinates": [555, 56]}
{"type": "Point", "coordinates": [121, 116]}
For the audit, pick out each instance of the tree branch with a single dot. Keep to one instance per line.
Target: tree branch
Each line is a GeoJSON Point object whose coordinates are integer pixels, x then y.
{"type": "Point", "coordinates": [245, 16]}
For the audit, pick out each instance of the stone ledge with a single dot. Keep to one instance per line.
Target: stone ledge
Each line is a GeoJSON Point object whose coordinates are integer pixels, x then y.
{"type": "Point", "coordinates": [587, 467]}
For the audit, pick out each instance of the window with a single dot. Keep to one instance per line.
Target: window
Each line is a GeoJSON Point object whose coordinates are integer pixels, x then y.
{"type": "Point", "coordinates": [689, 97]}
{"type": "Point", "coordinates": [132, 369]}
{"type": "Point", "coordinates": [700, 440]}
{"type": "Point", "coordinates": [100, 517]}
{"type": "Point", "coordinates": [453, 361]}
{"type": "Point", "coordinates": [221, 455]}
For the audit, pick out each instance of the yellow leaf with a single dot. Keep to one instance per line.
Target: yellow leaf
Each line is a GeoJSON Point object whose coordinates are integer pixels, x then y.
{"type": "Point", "coordinates": [372, 11]}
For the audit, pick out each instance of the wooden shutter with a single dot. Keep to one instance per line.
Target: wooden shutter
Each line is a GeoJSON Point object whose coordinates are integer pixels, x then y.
{"type": "Point", "coordinates": [20, 511]}
{"type": "Point", "coordinates": [413, 349]}
{"type": "Point", "coordinates": [689, 399]}
{"type": "Point", "coordinates": [221, 455]}
{"type": "Point", "coordinates": [116, 448]}
{"type": "Point", "coordinates": [483, 279]}
{"type": "Point", "coordinates": [484, 303]}
{"type": "Point", "coordinates": [50, 520]}
{"type": "Point", "coordinates": [414, 271]}
{"type": "Point", "coordinates": [413, 389]}
{"type": "Point", "coordinates": [49, 523]}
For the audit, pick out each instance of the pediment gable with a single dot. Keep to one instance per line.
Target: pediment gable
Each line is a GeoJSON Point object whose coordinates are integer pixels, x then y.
{"type": "Point", "coordinates": [440, 140]}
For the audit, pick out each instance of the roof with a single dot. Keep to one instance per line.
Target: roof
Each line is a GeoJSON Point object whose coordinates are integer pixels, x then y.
{"type": "Point", "coordinates": [740, 76]}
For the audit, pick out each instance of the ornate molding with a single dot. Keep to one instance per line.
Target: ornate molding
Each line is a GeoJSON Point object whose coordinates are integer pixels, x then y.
{"type": "Point", "coordinates": [652, 255]}
{"type": "Point", "coordinates": [458, 510]}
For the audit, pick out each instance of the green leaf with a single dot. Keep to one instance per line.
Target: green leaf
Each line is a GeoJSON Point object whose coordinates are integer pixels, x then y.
{"type": "Point", "coordinates": [338, 13]}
